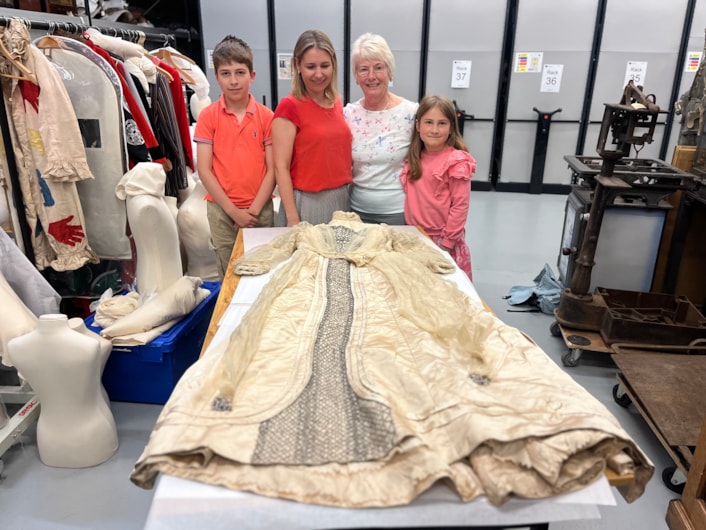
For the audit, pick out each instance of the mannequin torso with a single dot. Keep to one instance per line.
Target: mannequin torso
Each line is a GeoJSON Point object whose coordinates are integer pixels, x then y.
{"type": "Point", "coordinates": [77, 324]}
{"type": "Point", "coordinates": [75, 427]}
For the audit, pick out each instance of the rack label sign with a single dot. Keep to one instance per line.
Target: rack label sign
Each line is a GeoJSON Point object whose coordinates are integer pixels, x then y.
{"type": "Point", "coordinates": [551, 77]}
{"type": "Point", "coordinates": [461, 74]}
{"type": "Point", "coordinates": [636, 71]}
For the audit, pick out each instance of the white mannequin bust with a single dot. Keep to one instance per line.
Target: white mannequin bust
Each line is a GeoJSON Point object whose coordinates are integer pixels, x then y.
{"type": "Point", "coordinates": [77, 324]}
{"type": "Point", "coordinates": [75, 428]}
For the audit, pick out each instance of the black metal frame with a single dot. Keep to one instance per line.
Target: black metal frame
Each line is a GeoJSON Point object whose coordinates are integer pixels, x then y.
{"type": "Point", "coordinates": [504, 76]}
{"type": "Point", "coordinates": [272, 42]}
{"type": "Point", "coordinates": [678, 73]}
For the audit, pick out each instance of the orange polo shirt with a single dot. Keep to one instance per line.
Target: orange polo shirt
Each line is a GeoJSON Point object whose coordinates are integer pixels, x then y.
{"type": "Point", "coordinates": [238, 147]}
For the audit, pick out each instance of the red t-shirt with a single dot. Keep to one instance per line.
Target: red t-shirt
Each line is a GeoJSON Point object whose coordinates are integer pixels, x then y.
{"type": "Point", "coordinates": [322, 156]}
{"type": "Point", "coordinates": [238, 148]}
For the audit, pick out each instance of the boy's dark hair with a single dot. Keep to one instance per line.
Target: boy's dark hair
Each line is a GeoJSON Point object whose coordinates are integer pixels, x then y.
{"type": "Point", "coordinates": [232, 50]}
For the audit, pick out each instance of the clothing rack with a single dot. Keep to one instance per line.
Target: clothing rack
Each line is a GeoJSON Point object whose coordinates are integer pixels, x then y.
{"type": "Point", "coordinates": [68, 26]}
{"type": "Point", "coordinates": [132, 35]}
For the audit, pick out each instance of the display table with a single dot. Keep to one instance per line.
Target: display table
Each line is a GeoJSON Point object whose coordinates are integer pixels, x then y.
{"type": "Point", "coordinates": [181, 503]}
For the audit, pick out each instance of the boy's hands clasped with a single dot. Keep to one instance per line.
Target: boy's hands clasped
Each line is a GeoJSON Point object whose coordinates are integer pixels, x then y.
{"type": "Point", "coordinates": [244, 218]}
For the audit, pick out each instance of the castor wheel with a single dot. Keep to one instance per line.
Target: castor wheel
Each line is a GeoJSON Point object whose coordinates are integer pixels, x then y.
{"type": "Point", "coordinates": [674, 479]}
{"type": "Point", "coordinates": [620, 397]}
{"type": "Point", "coordinates": [554, 329]}
{"type": "Point", "coordinates": [571, 357]}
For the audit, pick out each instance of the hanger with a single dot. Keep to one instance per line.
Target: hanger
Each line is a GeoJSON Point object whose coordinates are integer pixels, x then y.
{"type": "Point", "coordinates": [159, 68]}
{"type": "Point", "coordinates": [49, 41]}
{"type": "Point", "coordinates": [168, 57]}
{"type": "Point", "coordinates": [26, 73]}
{"type": "Point", "coordinates": [164, 73]}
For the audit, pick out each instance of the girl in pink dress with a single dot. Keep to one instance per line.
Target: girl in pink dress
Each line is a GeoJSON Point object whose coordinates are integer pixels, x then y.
{"type": "Point", "coordinates": [437, 179]}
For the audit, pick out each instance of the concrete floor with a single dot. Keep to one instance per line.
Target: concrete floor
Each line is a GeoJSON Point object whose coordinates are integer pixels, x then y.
{"type": "Point", "coordinates": [511, 237]}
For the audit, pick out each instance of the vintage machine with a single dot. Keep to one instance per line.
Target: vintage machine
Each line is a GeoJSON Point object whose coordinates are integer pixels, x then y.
{"type": "Point", "coordinates": [588, 321]}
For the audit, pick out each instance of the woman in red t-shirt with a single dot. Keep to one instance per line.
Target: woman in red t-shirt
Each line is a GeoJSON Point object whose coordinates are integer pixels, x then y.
{"type": "Point", "coordinates": [311, 142]}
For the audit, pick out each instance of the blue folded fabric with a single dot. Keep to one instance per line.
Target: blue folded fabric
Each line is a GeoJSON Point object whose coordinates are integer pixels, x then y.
{"type": "Point", "coordinates": [544, 294]}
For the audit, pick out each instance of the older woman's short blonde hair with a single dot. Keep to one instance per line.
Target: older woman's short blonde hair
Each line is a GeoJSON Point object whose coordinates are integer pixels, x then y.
{"type": "Point", "coordinates": [370, 47]}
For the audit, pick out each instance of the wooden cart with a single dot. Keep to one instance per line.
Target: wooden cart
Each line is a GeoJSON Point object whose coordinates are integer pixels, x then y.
{"type": "Point", "coordinates": [667, 390]}
{"type": "Point", "coordinates": [689, 512]}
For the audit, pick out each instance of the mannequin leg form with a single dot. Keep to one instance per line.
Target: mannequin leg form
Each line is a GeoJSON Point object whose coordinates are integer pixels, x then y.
{"type": "Point", "coordinates": [156, 241]}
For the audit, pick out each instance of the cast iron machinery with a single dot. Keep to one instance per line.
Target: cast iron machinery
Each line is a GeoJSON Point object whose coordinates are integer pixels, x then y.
{"type": "Point", "coordinates": [631, 123]}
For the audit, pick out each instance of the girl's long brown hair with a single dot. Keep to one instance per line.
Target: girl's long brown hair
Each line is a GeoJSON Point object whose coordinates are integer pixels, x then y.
{"type": "Point", "coordinates": [455, 139]}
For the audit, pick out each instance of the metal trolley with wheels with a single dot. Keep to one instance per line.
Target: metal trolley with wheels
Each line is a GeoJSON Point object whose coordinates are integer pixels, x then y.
{"type": "Point", "coordinates": [578, 341]}
{"type": "Point", "coordinates": [644, 320]}
{"type": "Point", "coordinates": [665, 385]}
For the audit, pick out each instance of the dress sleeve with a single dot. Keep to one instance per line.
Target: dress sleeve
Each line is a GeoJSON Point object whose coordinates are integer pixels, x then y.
{"type": "Point", "coordinates": [404, 176]}
{"type": "Point", "coordinates": [460, 167]}
{"type": "Point", "coordinates": [64, 153]}
{"type": "Point", "coordinates": [264, 258]}
{"type": "Point", "coordinates": [417, 250]}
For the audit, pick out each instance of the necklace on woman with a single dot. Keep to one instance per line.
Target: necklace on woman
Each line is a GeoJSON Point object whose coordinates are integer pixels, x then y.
{"type": "Point", "coordinates": [388, 102]}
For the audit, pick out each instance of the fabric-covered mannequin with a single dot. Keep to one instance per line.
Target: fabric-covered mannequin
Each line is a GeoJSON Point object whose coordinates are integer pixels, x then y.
{"type": "Point", "coordinates": [194, 234]}
{"type": "Point", "coordinates": [153, 227]}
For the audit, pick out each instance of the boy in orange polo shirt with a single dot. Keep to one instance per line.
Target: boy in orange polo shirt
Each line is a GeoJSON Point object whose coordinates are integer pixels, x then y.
{"type": "Point", "coordinates": [234, 151]}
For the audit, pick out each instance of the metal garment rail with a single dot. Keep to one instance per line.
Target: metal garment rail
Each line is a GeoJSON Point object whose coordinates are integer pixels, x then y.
{"type": "Point", "coordinates": [132, 35]}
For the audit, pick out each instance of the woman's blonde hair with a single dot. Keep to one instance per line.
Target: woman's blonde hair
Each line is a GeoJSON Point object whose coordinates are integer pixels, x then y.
{"type": "Point", "coordinates": [416, 146]}
{"type": "Point", "coordinates": [314, 38]}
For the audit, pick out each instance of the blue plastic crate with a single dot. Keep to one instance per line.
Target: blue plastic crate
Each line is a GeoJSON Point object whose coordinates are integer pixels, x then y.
{"type": "Point", "coordinates": [148, 373]}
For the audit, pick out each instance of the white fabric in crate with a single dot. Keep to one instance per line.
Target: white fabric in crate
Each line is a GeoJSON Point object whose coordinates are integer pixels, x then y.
{"type": "Point", "coordinates": [158, 314]}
